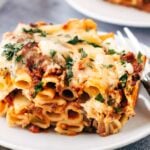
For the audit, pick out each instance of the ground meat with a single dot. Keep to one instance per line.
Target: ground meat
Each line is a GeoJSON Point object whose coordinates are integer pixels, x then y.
{"type": "Point", "coordinates": [38, 24]}
{"type": "Point", "coordinates": [81, 66]}
{"type": "Point", "coordinates": [34, 129]}
{"type": "Point", "coordinates": [101, 129]}
{"type": "Point", "coordinates": [135, 77]}
{"type": "Point", "coordinates": [36, 66]}
{"type": "Point", "coordinates": [129, 57]}
{"type": "Point", "coordinates": [29, 47]}
{"type": "Point", "coordinates": [9, 100]}
{"type": "Point", "coordinates": [124, 101]}
{"type": "Point", "coordinates": [83, 97]}
{"type": "Point", "coordinates": [137, 67]}
{"type": "Point", "coordinates": [90, 128]}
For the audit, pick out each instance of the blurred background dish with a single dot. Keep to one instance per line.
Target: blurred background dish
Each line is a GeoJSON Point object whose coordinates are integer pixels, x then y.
{"type": "Point", "coordinates": [143, 5]}
{"type": "Point", "coordinates": [115, 14]}
{"type": "Point", "coordinates": [2, 2]}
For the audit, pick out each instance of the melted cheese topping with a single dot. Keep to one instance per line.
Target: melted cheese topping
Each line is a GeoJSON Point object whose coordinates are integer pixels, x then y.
{"type": "Point", "coordinates": [98, 68]}
{"type": "Point", "coordinates": [52, 44]}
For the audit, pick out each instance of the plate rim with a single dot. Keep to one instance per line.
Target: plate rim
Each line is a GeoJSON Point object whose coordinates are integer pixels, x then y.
{"type": "Point", "coordinates": [85, 12]}
{"type": "Point", "coordinates": [130, 140]}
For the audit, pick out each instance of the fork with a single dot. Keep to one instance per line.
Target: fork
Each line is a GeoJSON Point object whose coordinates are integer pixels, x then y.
{"type": "Point", "coordinates": [146, 74]}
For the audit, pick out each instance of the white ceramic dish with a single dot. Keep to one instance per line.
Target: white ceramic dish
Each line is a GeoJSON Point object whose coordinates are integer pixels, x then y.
{"type": "Point", "coordinates": [137, 127]}
{"type": "Point", "coordinates": [115, 14]}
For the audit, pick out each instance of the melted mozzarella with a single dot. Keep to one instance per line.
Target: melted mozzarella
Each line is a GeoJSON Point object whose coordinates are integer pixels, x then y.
{"type": "Point", "coordinates": [122, 69]}
{"type": "Point", "coordinates": [109, 43]}
{"type": "Point", "coordinates": [94, 108]}
{"type": "Point", "coordinates": [129, 68]}
{"type": "Point", "coordinates": [103, 59]}
{"type": "Point", "coordinates": [52, 44]}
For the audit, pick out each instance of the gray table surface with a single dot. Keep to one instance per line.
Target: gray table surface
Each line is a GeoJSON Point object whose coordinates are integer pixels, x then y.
{"type": "Point", "coordinates": [58, 11]}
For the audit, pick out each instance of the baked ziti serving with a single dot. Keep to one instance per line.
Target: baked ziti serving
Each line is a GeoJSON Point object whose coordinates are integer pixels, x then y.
{"type": "Point", "coordinates": [67, 77]}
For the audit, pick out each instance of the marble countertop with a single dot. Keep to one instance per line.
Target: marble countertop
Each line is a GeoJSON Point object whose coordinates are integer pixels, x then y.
{"type": "Point", "coordinates": [58, 11]}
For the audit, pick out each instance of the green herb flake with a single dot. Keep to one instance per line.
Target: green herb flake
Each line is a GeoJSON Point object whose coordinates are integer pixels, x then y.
{"type": "Point", "coordinates": [110, 66]}
{"type": "Point", "coordinates": [43, 34]}
{"type": "Point", "coordinates": [83, 53]}
{"type": "Point", "coordinates": [107, 66]}
{"type": "Point", "coordinates": [139, 57]}
{"type": "Point", "coordinates": [69, 62]}
{"type": "Point", "coordinates": [122, 62]}
{"type": "Point", "coordinates": [108, 43]}
{"type": "Point", "coordinates": [123, 79]}
{"type": "Point", "coordinates": [11, 49]}
{"type": "Point", "coordinates": [122, 52]}
{"type": "Point", "coordinates": [19, 58]}
{"type": "Point", "coordinates": [117, 109]}
{"type": "Point", "coordinates": [75, 40]}
{"type": "Point", "coordinates": [38, 88]}
{"type": "Point", "coordinates": [111, 52]}
{"type": "Point", "coordinates": [110, 101]}
{"type": "Point", "coordinates": [35, 30]}
{"type": "Point", "coordinates": [99, 98]}
{"type": "Point", "coordinates": [69, 73]}
{"type": "Point", "coordinates": [94, 45]}
{"type": "Point", "coordinates": [52, 53]}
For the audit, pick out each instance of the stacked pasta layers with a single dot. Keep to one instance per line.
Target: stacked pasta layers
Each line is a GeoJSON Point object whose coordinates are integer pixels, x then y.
{"type": "Point", "coordinates": [67, 77]}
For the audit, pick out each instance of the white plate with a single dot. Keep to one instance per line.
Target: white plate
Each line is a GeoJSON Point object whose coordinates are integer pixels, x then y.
{"type": "Point", "coordinates": [137, 127]}
{"type": "Point", "coordinates": [107, 12]}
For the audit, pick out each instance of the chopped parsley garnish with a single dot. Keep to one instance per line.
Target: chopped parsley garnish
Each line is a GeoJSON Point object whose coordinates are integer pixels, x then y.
{"type": "Point", "coordinates": [83, 53]}
{"type": "Point", "coordinates": [139, 57]}
{"type": "Point", "coordinates": [75, 40]}
{"type": "Point", "coordinates": [108, 43]}
{"type": "Point", "coordinates": [69, 73]}
{"type": "Point", "coordinates": [117, 109]}
{"type": "Point", "coordinates": [69, 62]}
{"type": "Point", "coordinates": [123, 79]}
{"type": "Point", "coordinates": [111, 52]}
{"type": "Point", "coordinates": [122, 62]}
{"type": "Point", "coordinates": [108, 66]}
{"type": "Point", "coordinates": [19, 58]}
{"type": "Point", "coordinates": [52, 53]}
{"type": "Point", "coordinates": [122, 52]}
{"type": "Point", "coordinates": [94, 45]}
{"type": "Point", "coordinates": [110, 101]}
{"type": "Point", "coordinates": [35, 30]}
{"type": "Point", "coordinates": [99, 98]}
{"type": "Point", "coordinates": [11, 49]}
{"type": "Point", "coordinates": [38, 88]}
